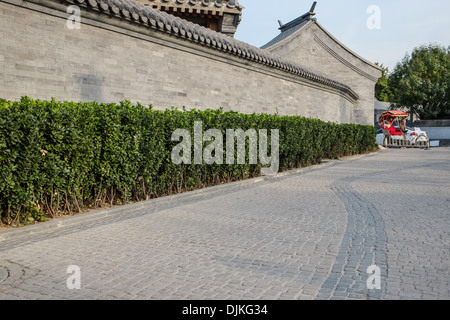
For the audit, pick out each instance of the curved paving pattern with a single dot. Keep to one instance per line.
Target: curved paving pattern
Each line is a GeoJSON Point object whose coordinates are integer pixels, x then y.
{"type": "Point", "coordinates": [4, 274]}
{"type": "Point", "coordinates": [13, 274]}
{"type": "Point", "coordinates": [363, 245]}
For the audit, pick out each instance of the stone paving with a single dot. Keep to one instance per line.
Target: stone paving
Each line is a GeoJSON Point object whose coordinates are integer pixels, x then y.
{"type": "Point", "coordinates": [307, 234]}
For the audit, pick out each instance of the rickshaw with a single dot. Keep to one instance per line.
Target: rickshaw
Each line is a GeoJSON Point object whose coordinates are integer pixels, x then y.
{"type": "Point", "coordinates": [397, 134]}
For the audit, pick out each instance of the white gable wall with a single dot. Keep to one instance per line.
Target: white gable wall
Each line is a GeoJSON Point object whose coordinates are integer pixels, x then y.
{"type": "Point", "coordinates": [314, 48]}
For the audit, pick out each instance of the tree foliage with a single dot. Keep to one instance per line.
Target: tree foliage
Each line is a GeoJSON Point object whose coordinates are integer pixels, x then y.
{"type": "Point", "coordinates": [421, 82]}
{"type": "Point", "coordinates": [382, 90]}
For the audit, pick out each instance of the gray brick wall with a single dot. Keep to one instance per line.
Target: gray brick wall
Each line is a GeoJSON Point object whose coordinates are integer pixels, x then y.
{"type": "Point", "coordinates": [316, 49]}
{"type": "Point", "coordinates": [40, 57]}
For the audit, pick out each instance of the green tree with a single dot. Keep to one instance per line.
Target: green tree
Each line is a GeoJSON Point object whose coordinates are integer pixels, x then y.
{"type": "Point", "coordinates": [382, 90]}
{"type": "Point", "coordinates": [420, 83]}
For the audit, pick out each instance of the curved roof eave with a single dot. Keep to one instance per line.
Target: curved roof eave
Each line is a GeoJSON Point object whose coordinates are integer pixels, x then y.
{"type": "Point", "coordinates": [285, 35]}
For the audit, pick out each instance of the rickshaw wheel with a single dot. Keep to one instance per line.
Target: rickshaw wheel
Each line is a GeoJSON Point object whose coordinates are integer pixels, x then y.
{"type": "Point", "coordinates": [422, 140]}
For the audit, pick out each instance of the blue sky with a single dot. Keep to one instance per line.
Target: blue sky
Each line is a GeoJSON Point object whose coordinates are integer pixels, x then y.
{"type": "Point", "coordinates": [404, 25]}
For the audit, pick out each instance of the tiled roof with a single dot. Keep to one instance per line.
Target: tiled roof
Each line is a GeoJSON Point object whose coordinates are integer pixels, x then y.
{"type": "Point", "coordinates": [138, 13]}
{"type": "Point", "coordinates": [203, 6]}
{"type": "Point", "coordinates": [286, 33]}
{"type": "Point", "coordinates": [290, 28]}
{"type": "Point", "coordinates": [219, 15]}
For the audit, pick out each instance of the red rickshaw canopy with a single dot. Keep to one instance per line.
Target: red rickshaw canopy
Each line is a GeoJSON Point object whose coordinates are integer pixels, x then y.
{"type": "Point", "coordinates": [387, 118]}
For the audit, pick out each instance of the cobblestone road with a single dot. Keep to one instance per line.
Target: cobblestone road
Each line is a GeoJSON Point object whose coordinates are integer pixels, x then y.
{"type": "Point", "coordinates": [308, 234]}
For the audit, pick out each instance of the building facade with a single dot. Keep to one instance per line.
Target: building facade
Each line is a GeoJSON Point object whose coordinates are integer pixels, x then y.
{"type": "Point", "coordinates": [304, 41]}
{"type": "Point", "coordinates": [222, 16]}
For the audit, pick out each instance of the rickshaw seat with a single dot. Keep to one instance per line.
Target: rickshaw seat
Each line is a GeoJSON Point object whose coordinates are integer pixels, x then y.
{"type": "Point", "coordinates": [394, 131]}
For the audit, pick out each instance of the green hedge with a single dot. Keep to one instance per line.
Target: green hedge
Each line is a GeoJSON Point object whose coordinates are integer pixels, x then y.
{"type": "Point", "coordinates": [63, 157]}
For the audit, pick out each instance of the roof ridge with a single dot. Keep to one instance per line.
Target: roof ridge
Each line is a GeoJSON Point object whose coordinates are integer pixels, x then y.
{"type": "Point", "coordinates": [232, 4]}
{"type": "Point", "coordinates": [305, 17]}
{"type": "Point", "coordinates": [287, 33]}
{"type": "Point", "coordinates": [164, 22]}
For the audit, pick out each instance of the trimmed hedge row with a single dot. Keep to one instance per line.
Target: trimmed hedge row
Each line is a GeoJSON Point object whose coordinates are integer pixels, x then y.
{"type": "Point", "coordinates": [63, 157]}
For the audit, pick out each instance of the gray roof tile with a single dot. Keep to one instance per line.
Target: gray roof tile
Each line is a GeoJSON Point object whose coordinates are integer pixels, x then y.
{"type": "Point", "coordinates": [285, 34]}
